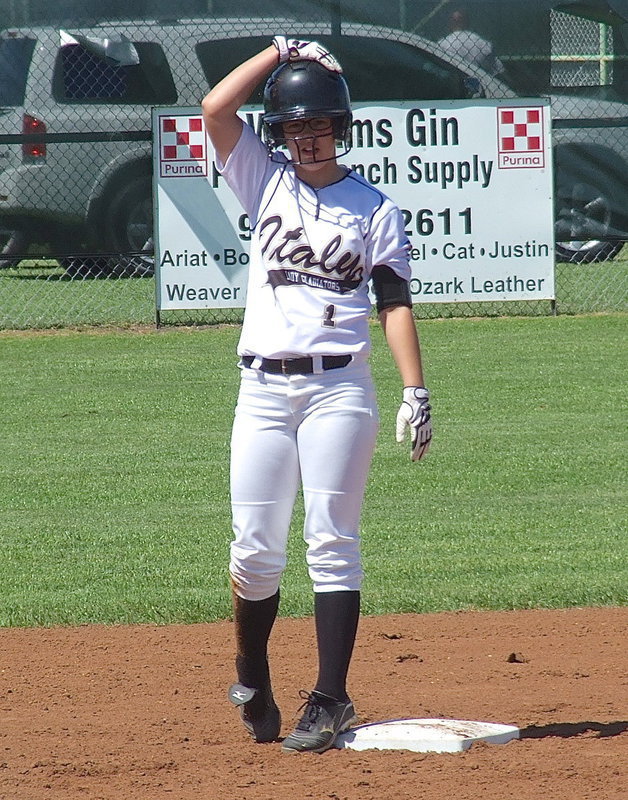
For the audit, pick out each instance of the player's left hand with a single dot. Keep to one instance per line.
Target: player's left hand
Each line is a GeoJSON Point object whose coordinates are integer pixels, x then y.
{"type": "Point", "coordinates": [300, 50]}
{"type": "Point", "coordinates": [414, 413]}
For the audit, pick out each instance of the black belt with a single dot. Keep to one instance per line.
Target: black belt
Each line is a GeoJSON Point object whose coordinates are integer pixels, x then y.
{"type": "Point", "coordinates": [296, 366]}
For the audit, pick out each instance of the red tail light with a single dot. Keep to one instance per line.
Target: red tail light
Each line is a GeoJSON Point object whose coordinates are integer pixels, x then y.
{"type": "Point", "coordinates": [33, 152]}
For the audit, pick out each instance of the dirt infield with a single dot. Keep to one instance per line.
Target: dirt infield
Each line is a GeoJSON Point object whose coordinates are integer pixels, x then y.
{"type": "Point", "coordinates": [139, 713]}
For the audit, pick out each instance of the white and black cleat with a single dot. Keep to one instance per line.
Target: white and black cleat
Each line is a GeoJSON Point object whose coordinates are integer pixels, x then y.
{"type": "Point", "coordinates": [258, 710]}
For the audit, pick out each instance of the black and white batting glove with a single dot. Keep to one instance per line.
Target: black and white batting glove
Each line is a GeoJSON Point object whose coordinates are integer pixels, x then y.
{"type": "Point", "coordinates": [414, 413]}
{"type": "Point", "coordinates": [299, 50]}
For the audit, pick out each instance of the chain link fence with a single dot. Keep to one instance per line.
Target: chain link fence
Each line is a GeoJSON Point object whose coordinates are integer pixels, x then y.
{"type": "Point", "coordinates": [39, 293]}
{"type": "Point", "coordinates": [78, 80]}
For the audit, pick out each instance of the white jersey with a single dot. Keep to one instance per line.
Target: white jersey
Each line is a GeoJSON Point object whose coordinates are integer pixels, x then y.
{"type": "Point", "coordinates": [470, 47]}
{"type": "Point", "coordinates": [312, 253]}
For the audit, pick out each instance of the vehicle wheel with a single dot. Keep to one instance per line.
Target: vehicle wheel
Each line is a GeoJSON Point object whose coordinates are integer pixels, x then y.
{"type": "Point", "coordinates": [129, 228]}
{"type": "Point", "coordinates": [587, 252]}
{"type": "Point", "coordinates": [584, 216]}
{"type": "Point", "coordinates": [12, 243]}
{"type": "Point", "coordinates": [129, 217]}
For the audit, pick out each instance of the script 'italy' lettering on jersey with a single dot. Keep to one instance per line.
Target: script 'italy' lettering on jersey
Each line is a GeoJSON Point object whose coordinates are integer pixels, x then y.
{"type": "Point", "coordinates": [286, 249]}
{"type": "Point", "coordinates": [311, 261]}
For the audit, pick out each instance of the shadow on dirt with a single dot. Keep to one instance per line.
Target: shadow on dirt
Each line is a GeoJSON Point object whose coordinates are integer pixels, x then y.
{"type": "Point", "coordinates": [567, 730]}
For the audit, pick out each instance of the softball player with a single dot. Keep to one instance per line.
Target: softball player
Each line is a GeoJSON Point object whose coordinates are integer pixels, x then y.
{"type": "Point", "coordinates": [306, 412]}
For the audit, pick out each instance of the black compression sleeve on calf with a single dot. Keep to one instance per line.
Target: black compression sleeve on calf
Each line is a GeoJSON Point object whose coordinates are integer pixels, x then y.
{"type": "Point", "coordinates": [336, 615]}
{"type": "Point", "coordinates": [253, 620]}
{"type": "Point", "coordinates": [389, 288]}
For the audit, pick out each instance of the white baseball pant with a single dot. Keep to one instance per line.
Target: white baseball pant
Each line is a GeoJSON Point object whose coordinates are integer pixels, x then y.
{"type": "Point", "coordinates": [316, 429]}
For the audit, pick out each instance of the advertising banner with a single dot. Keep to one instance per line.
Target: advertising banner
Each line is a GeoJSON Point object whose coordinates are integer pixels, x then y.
{"type": "Point", "coordinates": [473, 181]}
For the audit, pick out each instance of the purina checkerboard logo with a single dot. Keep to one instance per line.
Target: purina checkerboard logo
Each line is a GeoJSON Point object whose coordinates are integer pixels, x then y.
{"type": "Point", "coordinates": [520, 137]}
{"type": "Point", "coordinates": [182, 147]}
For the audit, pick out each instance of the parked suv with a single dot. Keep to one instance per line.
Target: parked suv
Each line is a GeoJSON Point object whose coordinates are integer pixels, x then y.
{"type": "Point", "coordinates": [75, 151]}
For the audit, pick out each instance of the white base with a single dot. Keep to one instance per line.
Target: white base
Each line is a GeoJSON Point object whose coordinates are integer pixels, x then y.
{"type": "Point", "coordinates": [425, 735]}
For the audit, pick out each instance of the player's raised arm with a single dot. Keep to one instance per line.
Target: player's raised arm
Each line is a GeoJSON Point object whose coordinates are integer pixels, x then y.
{"type": "Point", "coordinates": [221, 104]}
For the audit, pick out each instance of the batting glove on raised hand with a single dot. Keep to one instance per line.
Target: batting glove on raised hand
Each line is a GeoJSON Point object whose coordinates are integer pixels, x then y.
{"type": "Point", "coordinates": [415, 414]}
{"type": "Point", "coordinates": [298, 50]}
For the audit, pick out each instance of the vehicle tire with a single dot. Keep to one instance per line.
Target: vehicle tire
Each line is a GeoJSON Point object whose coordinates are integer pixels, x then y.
{"type": "Point", "coordinates": [129, 228]}
{"type": "Point", "coordinates": [587, 252]}
{"type": "Point", "coordinates": [129, 217]}
{"type": "Point", "coordinates": [12, 243]}
{"type": "Point", "coordinates": [586, 213]}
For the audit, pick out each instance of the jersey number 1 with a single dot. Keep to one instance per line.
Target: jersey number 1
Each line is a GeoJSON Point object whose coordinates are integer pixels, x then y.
{"type": "Point", "coordinates": [328, 316]}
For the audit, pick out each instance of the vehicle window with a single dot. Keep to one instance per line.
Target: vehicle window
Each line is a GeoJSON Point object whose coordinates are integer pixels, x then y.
{"type": "Point", "coordinates": [15, 59]}
{"type": "Point", "coordinates": [410, 73]}
{"type": "Point", "coordinates": [83, 77]}
{"type": "Point", "coordinates": [219, 56]}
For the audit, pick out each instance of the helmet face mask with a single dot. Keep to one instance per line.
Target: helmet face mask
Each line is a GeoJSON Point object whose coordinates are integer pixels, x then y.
{"type": "Point", "coordinates": [305, 90]}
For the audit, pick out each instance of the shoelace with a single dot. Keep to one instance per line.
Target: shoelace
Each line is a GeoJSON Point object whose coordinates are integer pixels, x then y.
{"type": "Point", "coordinates": [313, 710]}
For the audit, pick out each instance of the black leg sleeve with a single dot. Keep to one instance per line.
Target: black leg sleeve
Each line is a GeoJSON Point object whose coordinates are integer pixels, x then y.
{"type": "Point", "coordinates": [254, 621]}
{"type": "Point", "coordinates": [336, 615]}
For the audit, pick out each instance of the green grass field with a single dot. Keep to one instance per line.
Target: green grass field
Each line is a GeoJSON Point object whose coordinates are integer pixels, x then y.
{"type": "Point", "coordinates": [114, 474]}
